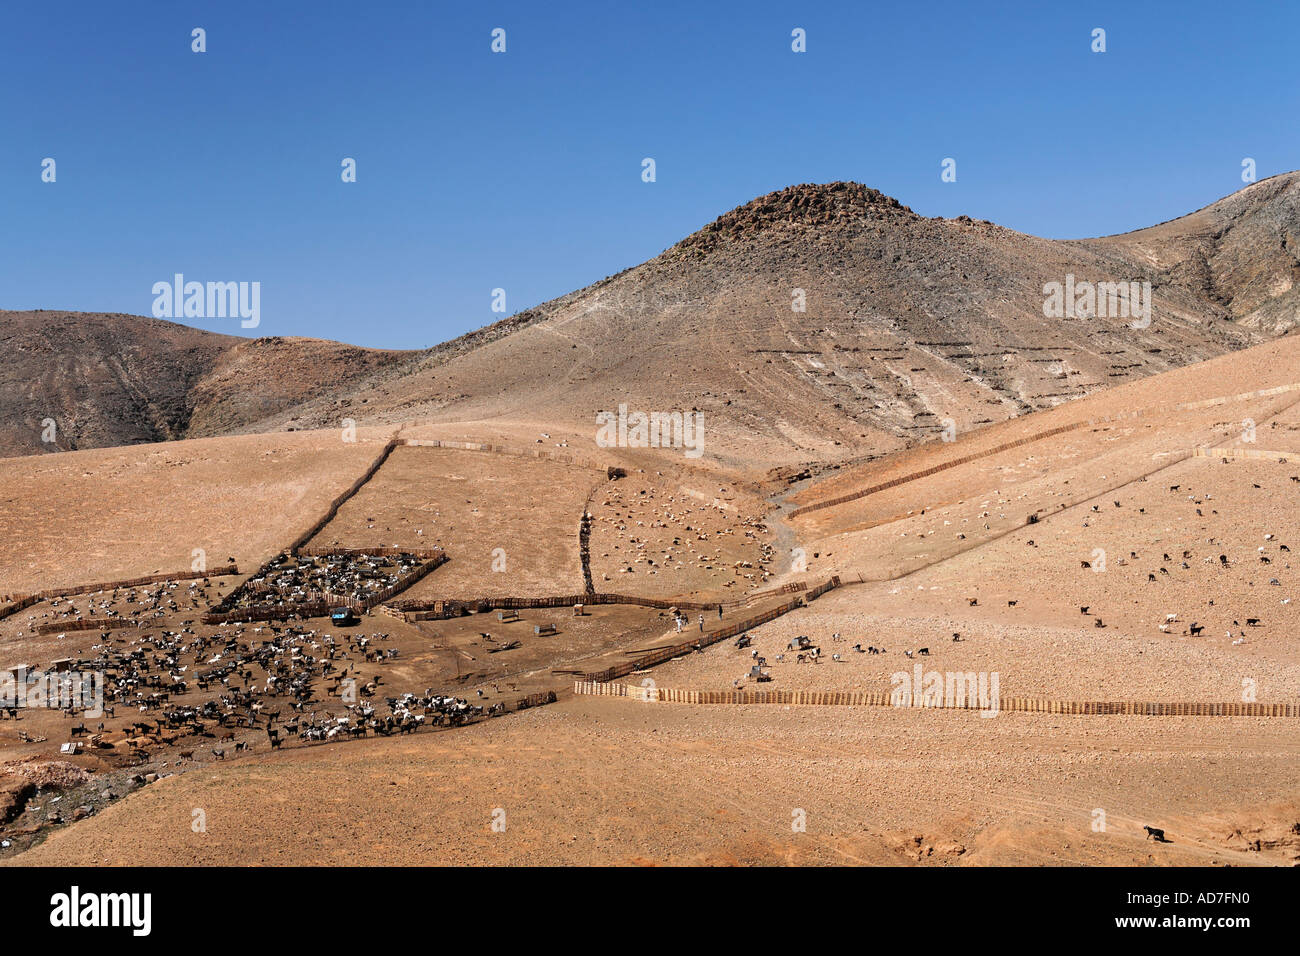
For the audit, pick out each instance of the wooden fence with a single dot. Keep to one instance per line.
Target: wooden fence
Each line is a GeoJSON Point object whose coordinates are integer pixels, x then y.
{"type": "Point", "coordinates": [24, 601]}
{"type": "Point", "coordinates": [848, 698]}
{"type": "Point", "coordinates": [423, 609]}
{"type": "Point", "coordinates": [1007, 446]}
{"type": "Point", "coordinates": [704, 640]}
{"type": "Point", "coordinates": [89, 624]}
{"type": "Point", "coordinates": [935, 469]}
{"type": "Point", "coordinates": [342, 499]}
{"type": "Point", "coordinates": [1252, 453]}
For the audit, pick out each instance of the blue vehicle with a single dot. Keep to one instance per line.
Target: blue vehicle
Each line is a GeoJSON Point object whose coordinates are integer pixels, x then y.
{"type": "Point", "coordinates": [343, 616]}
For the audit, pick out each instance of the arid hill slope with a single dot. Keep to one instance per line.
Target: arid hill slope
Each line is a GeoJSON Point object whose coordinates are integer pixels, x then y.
{"type": "Point", "coordinates": [110, 380]}
{"type": "Point", "coordinates": [907, 321]}
{"type": "Point", "coordinates": [820, 322]}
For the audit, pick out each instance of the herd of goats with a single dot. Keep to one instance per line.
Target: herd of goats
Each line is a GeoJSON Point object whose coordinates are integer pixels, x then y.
{"type": "Point", "coordinates": [267, 678]}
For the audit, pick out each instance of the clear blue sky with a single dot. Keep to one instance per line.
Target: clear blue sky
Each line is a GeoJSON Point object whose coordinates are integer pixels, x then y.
{"type": "Point", "coordinates": [523, 170]}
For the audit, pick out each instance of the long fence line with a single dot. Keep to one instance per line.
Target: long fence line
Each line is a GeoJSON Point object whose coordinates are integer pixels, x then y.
{"type": "Point", "coordinates": [421, 609]}
{"type": "Point", "coordinates": [1251, 453]}
{"type": "Point", "coordinates": [1239, 397]}
{"type": "Point", "coordinates": [935, 469]}
{"type": "Point", "coordinates": [89, 624]}
{"type": "Point", "coordinates": [25, 601]}
{"type": "Point", "coordinates": [342, 499]}
{"type": "Point", "coordinates": [712, 637]}
{"type": "Point", "coordinates": [847, 698]}
{"type": "Point", "coordinates": [1007, 446]}
{"type": "Point", "coordinates": [563, 458]}
{"type": "Point", "coordinates": [544, 454]}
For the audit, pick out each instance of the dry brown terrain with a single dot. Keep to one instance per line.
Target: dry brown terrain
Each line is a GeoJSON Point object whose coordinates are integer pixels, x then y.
{"type": "Point", "coordinates": [1070, 541]}
{"type": "Point", "coordinates": [608, 780]}
{"type": "Point", "coordinates": [108, 380]}
{"type": "Point", "coordinates": [900, 322]}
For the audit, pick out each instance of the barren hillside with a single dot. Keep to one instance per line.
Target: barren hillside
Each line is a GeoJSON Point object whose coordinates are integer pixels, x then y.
{"type": "Point", "coordinates": [107, 380]}
{"type": "Point", "coordinates": [817, 322]}
{"type": "Point", "coordinates": [906, 321]}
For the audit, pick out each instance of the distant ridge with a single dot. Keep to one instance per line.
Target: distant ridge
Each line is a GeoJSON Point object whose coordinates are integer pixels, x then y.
{"type": "Point", "coordinates": [816, 321]}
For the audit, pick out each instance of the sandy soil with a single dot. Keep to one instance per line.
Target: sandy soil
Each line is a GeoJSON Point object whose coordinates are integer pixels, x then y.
{"type": "Point", "coordinates": [613, 782]}
{"type": "Point", "coordinates": [606, 780]}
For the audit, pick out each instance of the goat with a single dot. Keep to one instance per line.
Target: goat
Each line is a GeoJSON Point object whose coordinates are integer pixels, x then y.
{"type": "Point", "coordinates": [1155, 833]}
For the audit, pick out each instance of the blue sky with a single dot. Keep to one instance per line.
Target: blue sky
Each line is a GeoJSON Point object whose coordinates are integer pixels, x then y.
{"type": "Point", "coordinates": [522, 170]}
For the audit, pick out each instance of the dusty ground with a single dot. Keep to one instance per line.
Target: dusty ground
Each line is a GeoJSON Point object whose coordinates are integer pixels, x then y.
{"type": "Point", "coordinates": [116, 513]}
{"type": "Point", "coordinates": [605, 780]}
{"type": "Point", "coordinates": [608, 781]}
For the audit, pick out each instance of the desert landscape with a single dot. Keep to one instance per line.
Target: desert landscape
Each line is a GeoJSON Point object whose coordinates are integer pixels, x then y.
{"type": "Point", "coordinates": [950, 582]}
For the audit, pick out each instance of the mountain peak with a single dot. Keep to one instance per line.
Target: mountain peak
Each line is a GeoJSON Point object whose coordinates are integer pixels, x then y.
{"type": "Point", "coordinates": [796, 209]}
